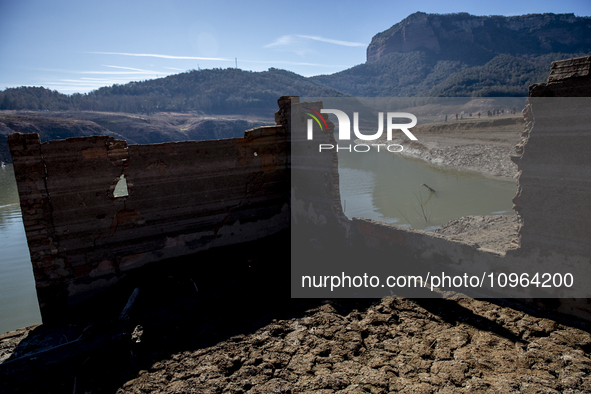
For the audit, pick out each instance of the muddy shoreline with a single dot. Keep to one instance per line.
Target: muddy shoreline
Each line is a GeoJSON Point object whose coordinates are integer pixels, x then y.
{"type": "Point", "coordinates": [484, 146]}
{"type": "Point", "coordinates": [479, 145]}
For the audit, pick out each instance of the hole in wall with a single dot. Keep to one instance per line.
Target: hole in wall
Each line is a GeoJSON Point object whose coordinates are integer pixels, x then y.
{"type": "Point", "coordinates": [121, 188]}
{"type": "Point", "coordinates": [410, 193]}
{"type": "Point", "coordinates": [402, 191]}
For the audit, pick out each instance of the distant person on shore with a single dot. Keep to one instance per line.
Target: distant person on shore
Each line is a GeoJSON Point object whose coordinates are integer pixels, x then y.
{"type": "Point", "coordinates": [456, 116]}
{"type": "Point", "coordinates": [446, 117]}
{"type": "Point", "coordinates": [479, 115]}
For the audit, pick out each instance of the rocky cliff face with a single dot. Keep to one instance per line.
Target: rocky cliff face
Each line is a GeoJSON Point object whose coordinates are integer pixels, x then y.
{"type": "Point", "coordinates": [448, 35]}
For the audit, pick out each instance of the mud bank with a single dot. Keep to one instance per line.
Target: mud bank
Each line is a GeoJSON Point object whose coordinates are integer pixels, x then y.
{"type": "Point", "coordinates": [483, 146]}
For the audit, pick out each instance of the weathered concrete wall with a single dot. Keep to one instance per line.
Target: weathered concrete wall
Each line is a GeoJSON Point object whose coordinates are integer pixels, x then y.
{"type": "Point", "coordinates": [182, 198]}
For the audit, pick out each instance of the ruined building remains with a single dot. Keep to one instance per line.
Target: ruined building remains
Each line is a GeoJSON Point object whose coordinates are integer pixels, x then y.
{"type": "Point", "coordinates": [187, 197]}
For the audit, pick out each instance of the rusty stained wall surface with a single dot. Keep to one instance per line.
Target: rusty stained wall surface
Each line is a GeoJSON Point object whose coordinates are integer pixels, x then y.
{"type": "Point", "coordinates": [184, 197]}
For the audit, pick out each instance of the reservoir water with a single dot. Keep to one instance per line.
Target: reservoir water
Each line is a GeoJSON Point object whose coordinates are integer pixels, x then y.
{"type": "Point", "coordinates": [381, 186]}
{"type": "Point", "coordinates": [389, 187]}
{"type": "Point", "coordinates": [18, 299]}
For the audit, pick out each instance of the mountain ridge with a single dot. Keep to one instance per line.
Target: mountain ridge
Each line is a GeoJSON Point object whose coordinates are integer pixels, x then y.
{"type": "Point", "coordinates": [523, 34]}
{"type": "Point", "coordinates": [422, 55]}
{"type": "Point", "coordinates": [446, 55]}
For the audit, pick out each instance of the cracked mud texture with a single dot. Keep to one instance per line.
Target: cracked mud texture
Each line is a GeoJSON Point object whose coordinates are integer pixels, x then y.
{"type": "Point", "coordinates": [246, 335]}
{"type": "Point", "coordinates": [395, 345]}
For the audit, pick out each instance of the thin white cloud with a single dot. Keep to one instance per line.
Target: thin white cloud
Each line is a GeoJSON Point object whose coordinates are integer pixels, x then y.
{"type": "Point", "coordinates": [282, 41]}
{"type": "Point", "coordinates": [83, 83]}
{"type": "Point", "coordinates": [292, 63]}
{"type": "Point", "coordinates": [139, 72]}
{"type": "Point", "coordinates": [123, 68]}
{"type": "Point", "coordinates": [336, 42]}
{"type": "Point", "coordinates": [299, 43]}
{"type": "Point", "coordinates": [117, 72]}
{"type": "Point", "coordinates": [290, 43]}
{"type": "Point", "coordinates": [133, 71]}
{"type": "Point", "coordinates": [160, 56]}
{"type": "Point", "coordinates": [96, 79]}
{"type": "Point", "coordinates": [86, 81]}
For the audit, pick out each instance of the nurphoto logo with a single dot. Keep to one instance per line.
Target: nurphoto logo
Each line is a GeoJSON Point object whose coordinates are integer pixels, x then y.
{"type": "Point", "coordinates": [345, 129]}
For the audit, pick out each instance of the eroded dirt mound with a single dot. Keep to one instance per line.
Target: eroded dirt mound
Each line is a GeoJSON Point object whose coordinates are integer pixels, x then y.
{"type": "Point", "coordinates": [396, 345]}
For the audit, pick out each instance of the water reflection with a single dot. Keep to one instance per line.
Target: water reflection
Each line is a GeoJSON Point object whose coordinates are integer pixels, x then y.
{"type": "Point", "coordinates": [18, 299]}
{"type": "Point", "coordinates": [389, 187]}
{"type": "Point", "coordinates": [380, 186]}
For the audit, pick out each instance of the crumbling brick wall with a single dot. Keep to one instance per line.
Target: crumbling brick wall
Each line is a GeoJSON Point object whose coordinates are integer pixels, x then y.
{"type": "Point", "coordinates": [183, 197]}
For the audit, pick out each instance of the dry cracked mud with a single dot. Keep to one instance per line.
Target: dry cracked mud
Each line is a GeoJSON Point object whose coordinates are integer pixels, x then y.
{"type": "Point", "coordinates": [395, 345]}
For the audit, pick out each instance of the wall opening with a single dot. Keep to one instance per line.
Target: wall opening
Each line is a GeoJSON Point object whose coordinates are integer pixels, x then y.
{"type": "Point", "coordinates": [458, 181]}
{"type": "Point", "coordinates": [410, 193]}
{"type": "Point", "coordinates": [121, 188]}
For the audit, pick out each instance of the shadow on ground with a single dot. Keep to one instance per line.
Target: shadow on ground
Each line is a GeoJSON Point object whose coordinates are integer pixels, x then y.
{"type": "Point", "coordinates": [229, 296]}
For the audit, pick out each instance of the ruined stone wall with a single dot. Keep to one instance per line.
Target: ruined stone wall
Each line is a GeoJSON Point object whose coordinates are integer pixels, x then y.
{"type": "Point", "coordinates": [190, 196]}
{"type": "Point", "coordinates": [182, 198]}
{"type": "Point", "coordinates": [315, 191]}
{"type": "Point", "coordinates": [554, 162]}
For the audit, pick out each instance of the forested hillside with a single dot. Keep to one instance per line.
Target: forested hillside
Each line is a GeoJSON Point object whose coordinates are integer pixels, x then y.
{"type": "Point", "coordinates": [217, 91]}
{"type": "Point", "coordinates": [423, 55]}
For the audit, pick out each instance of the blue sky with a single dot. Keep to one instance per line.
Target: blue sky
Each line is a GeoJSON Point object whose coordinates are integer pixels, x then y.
{"type": "Point", "coordinates": [78, 46]}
